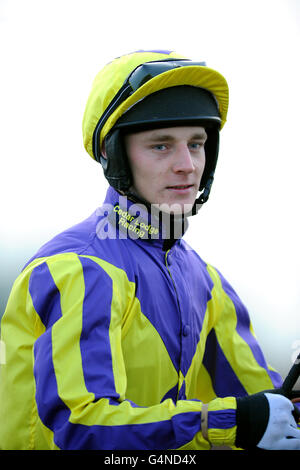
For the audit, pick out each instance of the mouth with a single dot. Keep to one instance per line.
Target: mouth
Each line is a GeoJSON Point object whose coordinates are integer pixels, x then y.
{"type": "Point", "coordinates": [181, 187]}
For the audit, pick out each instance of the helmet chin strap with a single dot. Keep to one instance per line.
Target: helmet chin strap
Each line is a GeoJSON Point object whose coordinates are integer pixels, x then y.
{"type": "Point", "coordinates": [203, 197]}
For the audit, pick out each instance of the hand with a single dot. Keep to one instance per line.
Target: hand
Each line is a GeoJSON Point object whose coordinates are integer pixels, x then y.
{"type": "Point", "coordinates": [268, 420]}
{"type": "Point", "coordinates": [281, 432]}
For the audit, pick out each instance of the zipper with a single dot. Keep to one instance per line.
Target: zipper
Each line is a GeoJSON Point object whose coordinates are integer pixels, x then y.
{"type": "Point", "coordinates": [167, 266]}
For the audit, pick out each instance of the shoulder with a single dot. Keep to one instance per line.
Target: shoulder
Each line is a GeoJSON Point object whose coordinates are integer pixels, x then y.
{"type": "Point", "coordinates": [192, 257]}
{"type": "Point", "coordinates": [82, 239]}
{"type": "Point", "coordinates": [196, 265]}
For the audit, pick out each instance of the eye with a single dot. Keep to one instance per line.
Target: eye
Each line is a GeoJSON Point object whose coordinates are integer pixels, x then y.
{"type": "Point", "coordinates": [159, 147]}
{"type": "Point", "coordinates": [196, 145]}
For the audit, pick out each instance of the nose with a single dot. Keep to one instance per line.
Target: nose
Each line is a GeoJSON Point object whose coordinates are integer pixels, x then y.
{"type": "Point", "coordinates": [183, 161]}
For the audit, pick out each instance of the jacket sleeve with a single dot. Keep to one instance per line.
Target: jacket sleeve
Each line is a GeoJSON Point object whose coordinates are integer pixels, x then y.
{"type": "Point", "coordinates": [80, 373]}
{"type": "Point", "coordinates": [239, 365]}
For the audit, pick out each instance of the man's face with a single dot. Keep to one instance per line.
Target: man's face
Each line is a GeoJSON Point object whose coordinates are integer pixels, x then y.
{"type": "Point", "coordinates": [167, 166]}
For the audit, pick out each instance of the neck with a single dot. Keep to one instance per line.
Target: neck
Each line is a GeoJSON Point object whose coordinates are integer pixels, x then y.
{"type": "Point", "coordinates": [167, 227]}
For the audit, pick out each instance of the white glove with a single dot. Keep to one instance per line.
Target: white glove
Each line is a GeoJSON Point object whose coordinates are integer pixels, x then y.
{"type": "Point", "coordinates": [281, 432]}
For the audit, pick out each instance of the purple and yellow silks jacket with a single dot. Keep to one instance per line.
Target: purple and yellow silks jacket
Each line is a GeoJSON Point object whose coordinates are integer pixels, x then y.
{"type": "Point", "coordinates": [113, 342]}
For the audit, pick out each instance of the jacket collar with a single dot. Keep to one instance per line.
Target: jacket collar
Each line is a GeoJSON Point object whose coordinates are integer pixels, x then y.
{"type": "Point", "coordinates": [130, 219]}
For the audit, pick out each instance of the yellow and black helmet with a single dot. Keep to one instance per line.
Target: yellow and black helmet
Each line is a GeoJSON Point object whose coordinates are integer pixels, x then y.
{"type": "Point", "coordinates": [152, 89]}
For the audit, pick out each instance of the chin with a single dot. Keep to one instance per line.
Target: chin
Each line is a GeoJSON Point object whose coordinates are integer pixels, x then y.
{"type": "Point", "coordinates": [178, 209]}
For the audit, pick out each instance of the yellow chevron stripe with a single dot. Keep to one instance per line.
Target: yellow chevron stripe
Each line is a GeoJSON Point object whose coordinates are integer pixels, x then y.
{"type": "Point", "coordinates": [198, 381]}
{"type": "Point", "coordinates": [66, 354]}
{"type": "Point", "coordinates": [235, 348]}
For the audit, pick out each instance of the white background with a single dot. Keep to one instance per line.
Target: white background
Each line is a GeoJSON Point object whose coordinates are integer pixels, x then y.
{"type": "Point", "coordinates": [249, 229]}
